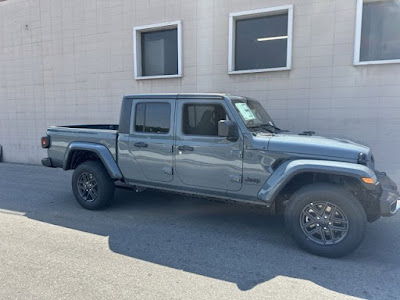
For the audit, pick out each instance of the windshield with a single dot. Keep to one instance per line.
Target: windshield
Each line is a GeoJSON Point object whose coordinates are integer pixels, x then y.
{"type": "Point", "coordinates": [252, 113]}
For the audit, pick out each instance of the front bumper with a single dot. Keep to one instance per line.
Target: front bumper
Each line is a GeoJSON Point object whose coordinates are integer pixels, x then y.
{"type": "Point", "coordinates": [390, 199]}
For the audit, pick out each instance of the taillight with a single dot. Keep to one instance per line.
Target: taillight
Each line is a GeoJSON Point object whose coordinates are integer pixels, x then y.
{"type": "Point", "coordinates": [46, 141]}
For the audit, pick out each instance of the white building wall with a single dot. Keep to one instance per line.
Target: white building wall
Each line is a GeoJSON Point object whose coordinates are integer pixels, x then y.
{"type": "Point", "coordinates": [65, 62]}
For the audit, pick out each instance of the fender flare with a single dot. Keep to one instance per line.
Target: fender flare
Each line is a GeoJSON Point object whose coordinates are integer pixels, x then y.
{"type": "Point", "coordinates": [287, 170]}
{"type": "Point", "coordinates": [101, 151]}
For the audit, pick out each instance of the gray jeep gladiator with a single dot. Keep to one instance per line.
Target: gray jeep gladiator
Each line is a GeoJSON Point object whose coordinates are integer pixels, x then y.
{"type": "Point", "coordinates": [228, 147]}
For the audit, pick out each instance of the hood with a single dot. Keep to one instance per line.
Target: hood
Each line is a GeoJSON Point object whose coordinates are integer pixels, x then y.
{"type": "Point", "coordinates": [315, 146]}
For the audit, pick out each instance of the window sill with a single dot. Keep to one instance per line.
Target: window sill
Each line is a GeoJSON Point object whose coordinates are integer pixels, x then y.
{"type": "Point", "coordinates": [259, 70]}
{"type": "Point", "coordinates": [158, 77]}
{"type": "Point", "coordinates": [377, 62]}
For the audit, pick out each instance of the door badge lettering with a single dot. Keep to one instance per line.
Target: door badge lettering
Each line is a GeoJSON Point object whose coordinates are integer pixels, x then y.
{"type": "Point", "coordinates": [250, 180]}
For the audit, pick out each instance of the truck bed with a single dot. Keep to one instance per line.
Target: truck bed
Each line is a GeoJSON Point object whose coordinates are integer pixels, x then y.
{"type": "Point", "coordinates": [62, 136]}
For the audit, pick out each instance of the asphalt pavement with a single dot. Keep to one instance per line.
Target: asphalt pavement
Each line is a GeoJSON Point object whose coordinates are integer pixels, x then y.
{"type": "Point", "coordinates": [154, 245]}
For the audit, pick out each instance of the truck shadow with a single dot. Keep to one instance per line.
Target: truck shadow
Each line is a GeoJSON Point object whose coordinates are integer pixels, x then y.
{"type": "Point", "coordinates": [230, 242]}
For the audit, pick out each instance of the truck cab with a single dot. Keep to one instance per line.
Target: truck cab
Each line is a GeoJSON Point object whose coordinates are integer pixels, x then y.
{"type": "Point", "coordinates": [174, 142]}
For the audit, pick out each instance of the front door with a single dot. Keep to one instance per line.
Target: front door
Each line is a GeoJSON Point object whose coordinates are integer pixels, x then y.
{"type": "Point", "coordinates": [202, 158]}
{"type": "Point", "coordinates": [151, 140]}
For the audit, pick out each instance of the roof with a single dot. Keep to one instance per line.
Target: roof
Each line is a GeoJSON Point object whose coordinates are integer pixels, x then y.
{"type": "Point", "coordinates": [178, 96]}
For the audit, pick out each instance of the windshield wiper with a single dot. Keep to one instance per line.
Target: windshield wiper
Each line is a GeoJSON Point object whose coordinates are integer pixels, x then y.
{"type": "Point", "coordinates": [280, 130]}
{"type": "Point", "coordinates": [267, 127]}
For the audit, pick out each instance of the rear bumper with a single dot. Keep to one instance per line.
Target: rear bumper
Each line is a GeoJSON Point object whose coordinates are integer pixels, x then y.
{"type": "Point", "coordinates": [390, 199]}
{"type": "Point", "coordinates": [47, 162]}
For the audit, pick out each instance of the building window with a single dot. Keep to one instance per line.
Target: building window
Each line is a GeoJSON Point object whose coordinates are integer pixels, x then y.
{"type": "Point", "coordinates": [377, 32]}
{"type": "Point", "coordinates": [260, 40]}
{"type": "Point", "coordinates": [153, 117]}
{"type": "Point", "coordinates": [202, 119]}
{"type": "Point", "coordinates": [158, 50]}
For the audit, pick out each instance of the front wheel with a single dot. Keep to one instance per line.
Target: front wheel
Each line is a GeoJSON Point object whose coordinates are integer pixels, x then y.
{"type": "Point", "coordinates": [92, 186]}
{"type": "Point", "coordinates": [326, 220]}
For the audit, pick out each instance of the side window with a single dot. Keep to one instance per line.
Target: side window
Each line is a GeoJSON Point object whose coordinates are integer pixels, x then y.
{"type": "Point", "coordinates": [202, 119]}
{"type": "Point", "coordinates": [153, 117]}
{"type": "Point", "coordinates": [139, 117]}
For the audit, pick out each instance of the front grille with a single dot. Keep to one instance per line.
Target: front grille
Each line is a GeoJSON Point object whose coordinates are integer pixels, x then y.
{"type": "Point", "coordinates": [371, 163]}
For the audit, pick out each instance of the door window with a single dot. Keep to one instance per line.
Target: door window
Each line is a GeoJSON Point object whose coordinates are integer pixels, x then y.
{"type": "Point", "coordinates": [202, 119]}
{"type": "Point", "coordinates": [153, 117]}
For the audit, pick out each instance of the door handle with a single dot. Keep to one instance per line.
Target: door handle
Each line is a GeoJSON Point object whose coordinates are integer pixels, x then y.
{"type": "Point", "coordinates": [185, 148]}
{"type": "Point", "coordinates": [140, 145]}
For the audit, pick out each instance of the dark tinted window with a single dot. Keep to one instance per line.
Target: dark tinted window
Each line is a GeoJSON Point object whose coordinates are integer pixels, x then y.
{"type": "Point", "coordinates": [380, 33]}
{"type": "Point", "coordinates": [202, 119]}
{"type": "Point", "coordinates": [159, 52]}
{"type": "Point", "coordinates": [139, 119]}
{"type": "Point", "coordinates": [261, 43]}
{"type": "Point", "coordinates": [153, 117]}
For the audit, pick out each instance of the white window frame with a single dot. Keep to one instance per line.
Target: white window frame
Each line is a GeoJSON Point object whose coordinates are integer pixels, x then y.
{"type": "Point", "coordinates": [233, 17]}
{"type": "Point", "coordinates": [357, 43]}
{"type": "Point", "coordinates": [137, 48]}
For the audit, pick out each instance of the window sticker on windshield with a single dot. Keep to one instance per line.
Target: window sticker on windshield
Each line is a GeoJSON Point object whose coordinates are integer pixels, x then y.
{"type": "Point", "coordinates": [245, 111]}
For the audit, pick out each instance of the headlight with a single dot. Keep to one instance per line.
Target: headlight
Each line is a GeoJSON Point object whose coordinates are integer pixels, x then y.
{"type": "Point", "coordinates": [362, 158]}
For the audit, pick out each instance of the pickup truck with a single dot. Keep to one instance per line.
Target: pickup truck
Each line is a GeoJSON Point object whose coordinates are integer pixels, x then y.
{"type": "Point", "coordinates": [227, 147]}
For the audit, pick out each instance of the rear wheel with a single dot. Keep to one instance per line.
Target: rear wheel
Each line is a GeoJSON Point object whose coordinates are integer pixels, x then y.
{"type": "Point", "coordinates": [326, 220]}
{"type": "Point", "coordinates": [92, 186]}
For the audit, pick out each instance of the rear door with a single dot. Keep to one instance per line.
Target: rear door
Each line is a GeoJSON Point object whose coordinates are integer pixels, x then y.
{"type": "Point", "coordinates": [203, 159]}
{"type": "Point", "coordinates": [151, 140]}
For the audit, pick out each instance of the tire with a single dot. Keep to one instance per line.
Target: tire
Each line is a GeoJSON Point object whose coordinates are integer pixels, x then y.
{"type": "Point", "coordinates": [337, 235]}
{"type": "Point", "coordinates": [92, 186]}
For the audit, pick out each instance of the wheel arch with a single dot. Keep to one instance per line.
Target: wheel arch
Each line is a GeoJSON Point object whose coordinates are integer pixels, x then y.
{"type": "Point", "coordinates": [292, 175]}
{"type": "Point", "coordinates": [79, 152]}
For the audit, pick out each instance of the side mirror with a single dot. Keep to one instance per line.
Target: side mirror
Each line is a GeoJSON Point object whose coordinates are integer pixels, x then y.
{"type": "Point", "coordinates": [228, 129]}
